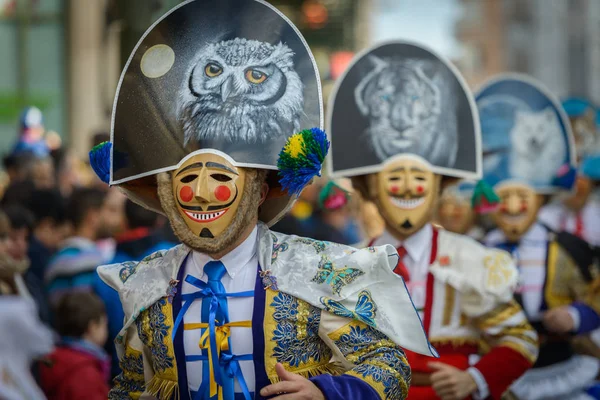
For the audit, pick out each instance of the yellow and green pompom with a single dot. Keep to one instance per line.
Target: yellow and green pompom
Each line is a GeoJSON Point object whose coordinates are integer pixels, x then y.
{"type": "Point", "coordinates": [484, 199]}
{"type": "Point", "coordinates": [301, 159]}
{"type": "Point", "coordinates": [100, 160]}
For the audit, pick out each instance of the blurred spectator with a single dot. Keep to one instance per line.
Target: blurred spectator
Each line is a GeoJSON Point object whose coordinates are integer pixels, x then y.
{"type": "Point", "coordinates": [17, 166]}
{"type": "Point", "coordinates": [139, 240]}
{"type": "Point", "coordinates": [73, 267]}
{"type": "Point", "coordinates": [79, 365]}
{"type": "Point", "coordinates": [65, 167]}
{"type": "Point", "coordinates": [305, 218]}
{"type": "Point", "coordinates": [18, 192]}
{"type": "Point", "coordinates": [10, 269]}
{"type": "Point", "coordinates": [24, 339]}
{"type": "Point", "coordinates": [21, 224]}
{"type": "Point", "coordinates": [42, 173]}
{"type": "Point", "coordinates": [114, 222]}
{"type": "Point", "coordinates": [31, 135]}
{"type": "Point", "coordinates": [49, 230]}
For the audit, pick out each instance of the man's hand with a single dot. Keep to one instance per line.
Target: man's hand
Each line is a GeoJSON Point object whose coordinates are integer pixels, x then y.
{"type": "Point", "coordinates": [292, 387]}
{"type": "Point", "coordinates": [559, 320]}
{"type": "Point", "coordinates": [451, 383]}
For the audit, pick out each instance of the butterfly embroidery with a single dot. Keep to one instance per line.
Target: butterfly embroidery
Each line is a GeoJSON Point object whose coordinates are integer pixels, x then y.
{"type": "Point", "coordinates": [268, 280]}
{"type": "Point", "coordinates": [172, 290]}
{"type": "Point", "coordinates": [319, 246]}
{"type": "Point", "coordinates": [364, 311]}
{"type": "Point", "coordinates": [277, 249]}
{"type": "Point", "coordinates": [128, 269]}
{"type": "Point", "coordinates": [336, 278]}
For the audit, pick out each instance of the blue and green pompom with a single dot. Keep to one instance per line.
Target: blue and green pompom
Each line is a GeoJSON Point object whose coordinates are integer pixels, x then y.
{"type": "Point", "coordinates": [100, 160]}
{"type": "Point", "coordinates": [301, 159]}
{"type": "Point", "coordinates": [484, 199]}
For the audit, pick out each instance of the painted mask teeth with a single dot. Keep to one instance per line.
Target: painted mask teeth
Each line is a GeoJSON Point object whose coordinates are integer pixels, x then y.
{"type": "Point", "coordinates": [205, 217]}
{"type": "Point", "coordinates": [407, 204]}
{"type": "Point", "coordinates": [514, 219]}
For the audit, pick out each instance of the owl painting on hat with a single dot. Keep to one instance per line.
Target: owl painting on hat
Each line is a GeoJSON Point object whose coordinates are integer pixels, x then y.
{"type": "Point", "coordinates": [529, 154]}
{"type": "Point", "coordinates": [217, 125]}
{"type": "Point", "coordinates": [415, 121]}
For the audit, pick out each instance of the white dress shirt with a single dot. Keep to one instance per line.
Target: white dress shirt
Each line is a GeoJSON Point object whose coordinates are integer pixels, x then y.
{"type": "Point", "coordinates": [416, 260]}
{"type": "Point", "coordinates": [241, 265]}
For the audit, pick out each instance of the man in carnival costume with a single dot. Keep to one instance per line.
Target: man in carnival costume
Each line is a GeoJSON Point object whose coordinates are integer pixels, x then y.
{"type": "Point", "coordinates": [455, 212]}
{"type": "Point", "coordinates": [416, 106]}
{"type": "Point", "coordinates": [210, 96]}
{"type": "Point", "coordinates": [579, 213]}
{"type": "Point", "coordinates": [529, 155]}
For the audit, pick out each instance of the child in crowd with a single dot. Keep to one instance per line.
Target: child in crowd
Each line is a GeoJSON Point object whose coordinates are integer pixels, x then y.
{"type": "Point", "coordinates": [79, 367]}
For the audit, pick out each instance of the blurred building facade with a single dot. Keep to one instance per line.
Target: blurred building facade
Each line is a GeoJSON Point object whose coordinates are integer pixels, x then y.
{"type": "Point", "coordinates": [557, 42]}
{"type": "Point", "coordinates": [66, 56]}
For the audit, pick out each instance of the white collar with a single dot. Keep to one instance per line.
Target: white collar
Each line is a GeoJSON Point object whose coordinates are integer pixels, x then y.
{"type": "Point", "coordinates": [236, 259]}
{"type": "Point", "coordinates": [415, 245]}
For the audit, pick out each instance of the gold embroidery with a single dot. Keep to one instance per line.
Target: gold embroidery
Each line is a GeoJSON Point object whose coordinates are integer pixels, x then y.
{"type": "Point", "coordinates": [499, 315]}
{"type": "Point", "coordinates": [449, 297]}
{"type": "Point", "coordinates": [556, 290]}
{"type": "Point", "coordinates": [307, 357]}
{"type": "Point", "coordinates": [303, 312]}
{"type": "Point", "coordinates": [154, 329]}
{"type": "Point", "coordinates": [499, 271]}
{"type": "Point", "coordinates": [379, 387]}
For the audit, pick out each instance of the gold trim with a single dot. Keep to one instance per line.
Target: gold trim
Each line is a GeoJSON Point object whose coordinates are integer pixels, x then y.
{"type": "Point", "coordinates": [163, 389]}
{"type": "Point", "coordinates": [553, 300]}
{"type": "Point", "coordinates": [308, 372]}
{"type": "Point", "coordinates": [499, 315]}
{"type": "Point", "coordinates": [303, 313]}
{"type": "Point", "coordinates": [449, 298]}
{"type": "Point", "coordinates": [307, 369]}
{"type": "Point", "coordinates": [378, 386]}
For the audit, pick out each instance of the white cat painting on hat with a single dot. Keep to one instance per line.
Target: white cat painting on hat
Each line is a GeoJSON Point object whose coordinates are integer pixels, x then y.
{"type": "Point", "coordinates": [538, 146]}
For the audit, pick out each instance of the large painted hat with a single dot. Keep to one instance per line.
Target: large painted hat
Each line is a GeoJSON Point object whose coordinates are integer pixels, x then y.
{"type": "Point", "coordinates": [402, 98]}
{"type": "Point", "coordinates": [233, 76]}
{"type": "Point", "coordinates": [526, 134]}
{"type": "Point", "coordinates": [582, 114]}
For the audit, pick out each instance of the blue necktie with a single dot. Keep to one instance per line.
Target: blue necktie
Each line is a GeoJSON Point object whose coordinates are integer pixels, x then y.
{"type": "Point", "coordinates": [215, 270]}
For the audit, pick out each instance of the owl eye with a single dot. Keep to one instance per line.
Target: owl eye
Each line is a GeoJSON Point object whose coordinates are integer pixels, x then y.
{"type": "Point", "coordinates": [255, 76]}
{"type": "Point", "coordinates": [213, 70]}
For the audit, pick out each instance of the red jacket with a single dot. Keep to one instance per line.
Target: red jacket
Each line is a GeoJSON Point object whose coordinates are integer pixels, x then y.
{"type": "Point", "coordinates": [74, 375]}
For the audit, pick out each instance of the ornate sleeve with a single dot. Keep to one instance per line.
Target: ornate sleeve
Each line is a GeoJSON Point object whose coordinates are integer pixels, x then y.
{"type": "Point", "coordinates": [130, 383]}
{"type": "Point", "coordinates": [566, 286]}
{"type": "Point", "coordinates": [375, 366]}
{"type": "Point", "coordinates": [515, 346]}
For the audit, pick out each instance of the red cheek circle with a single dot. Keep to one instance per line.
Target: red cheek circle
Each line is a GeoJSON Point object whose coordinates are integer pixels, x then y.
{"type": "Point", "coordinates": [222, 193]}
{"type": "Point", "coordinates": [186, 193]}
{"type": "Point", "coordinates": [524, 206]}
{"type": "Point", "coordinates": [395, 189]}
{"type": "Point", "coordinates": [420, 189]}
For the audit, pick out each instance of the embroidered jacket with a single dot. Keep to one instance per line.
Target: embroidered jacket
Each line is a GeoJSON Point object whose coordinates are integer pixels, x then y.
{"type": "Point", "coordinates": [550, 278]}
{"type": "Point", "coordinates": [319, 308]}
{"type": "Point", "coordinates": [469, 310]}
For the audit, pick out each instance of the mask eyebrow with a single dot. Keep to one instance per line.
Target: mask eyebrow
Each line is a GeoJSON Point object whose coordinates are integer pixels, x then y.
{"type": "Point", "coordinates": [399, 169]}
{"type": "Point", "coordinates": [415, 169]}
{"type": "Point", "coordinates": [220, 166]}
{"type": "Point", "coordinates": [191, 166]}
